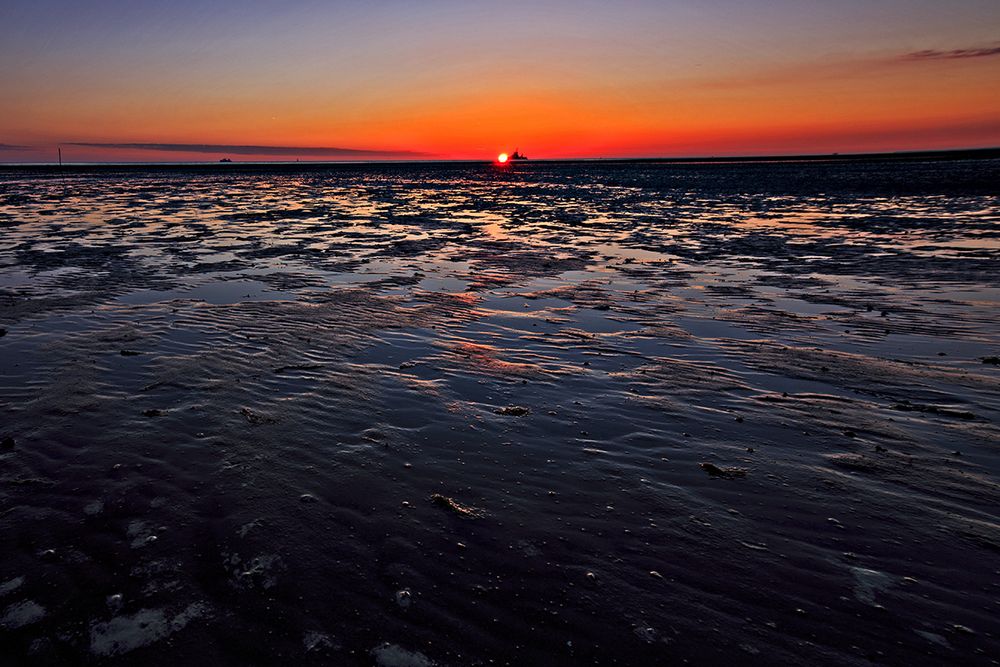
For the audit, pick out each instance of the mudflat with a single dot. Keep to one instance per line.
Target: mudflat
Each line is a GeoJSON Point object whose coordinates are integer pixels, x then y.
{"type": "Point", "coordinates": [551, 414]}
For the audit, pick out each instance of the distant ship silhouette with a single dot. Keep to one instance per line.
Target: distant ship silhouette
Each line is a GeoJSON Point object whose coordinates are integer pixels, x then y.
{"type": "Point", "coordinates": [517, 155]}
{"type": "Point", "coordinates": [225, 159]}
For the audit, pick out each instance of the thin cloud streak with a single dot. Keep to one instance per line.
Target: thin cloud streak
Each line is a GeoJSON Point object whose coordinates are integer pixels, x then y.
{"type": "Point", "coordinates": [953, 54]}
{"type": "Point", "coordinates": [13, 147]}
{"type": "Point", "coordinates": [239, 149]}
{"type": "Point", "coordinates": [846, 68]}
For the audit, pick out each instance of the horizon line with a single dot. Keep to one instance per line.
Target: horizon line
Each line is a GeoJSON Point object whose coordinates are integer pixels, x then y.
{"type": "Point", "coordinates": [991, 152]}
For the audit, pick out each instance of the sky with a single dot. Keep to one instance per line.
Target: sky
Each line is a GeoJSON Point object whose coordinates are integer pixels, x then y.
{"type": "Point", "coordinates": [134, 80]}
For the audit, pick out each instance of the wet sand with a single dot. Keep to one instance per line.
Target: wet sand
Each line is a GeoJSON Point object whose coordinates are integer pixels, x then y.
{"type": "Point", "coordinates": [629, 414]}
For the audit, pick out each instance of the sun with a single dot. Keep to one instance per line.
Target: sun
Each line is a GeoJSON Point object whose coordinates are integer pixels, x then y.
{"type": "Point", "coordinates": [502, 158]}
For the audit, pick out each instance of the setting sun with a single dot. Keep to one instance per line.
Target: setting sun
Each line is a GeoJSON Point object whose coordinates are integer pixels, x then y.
{"type": "Point", "coordinates": [502, 158]}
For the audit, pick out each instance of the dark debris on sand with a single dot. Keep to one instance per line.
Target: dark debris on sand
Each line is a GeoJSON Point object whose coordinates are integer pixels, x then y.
{"type": "Point", "coordinates": [723, 473]}
{"type": "Point", "coordinates": [513, 411]}
{"type": "Point", "coordinates": [452, 505]}
{"type": "Point", "coordinates": [257, 418]}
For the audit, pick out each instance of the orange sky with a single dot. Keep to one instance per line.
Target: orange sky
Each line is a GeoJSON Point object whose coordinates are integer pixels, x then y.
{"type": "Point", "coordinates": [650, 79]}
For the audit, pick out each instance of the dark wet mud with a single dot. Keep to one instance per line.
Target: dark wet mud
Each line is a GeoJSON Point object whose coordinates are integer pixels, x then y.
{"type": "Point", "coordinates": [456, 415]}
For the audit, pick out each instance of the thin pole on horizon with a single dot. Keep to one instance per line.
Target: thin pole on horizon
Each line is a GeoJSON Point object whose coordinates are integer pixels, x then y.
{"type": "Point", "coordinates": [60, 155]}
